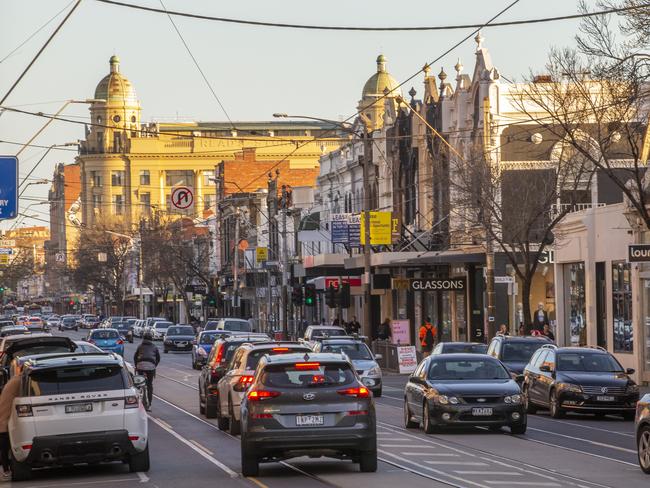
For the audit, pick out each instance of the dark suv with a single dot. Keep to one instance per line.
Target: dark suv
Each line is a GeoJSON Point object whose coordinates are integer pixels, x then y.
{"type": "Point", "coordinates": [217, 366]}
{"type": "Point", "coordinates": [580, 379]}
{"type": "Point", "coordinates": [515, 351]}
{"type": "Point", "coordinates": [307, 404]}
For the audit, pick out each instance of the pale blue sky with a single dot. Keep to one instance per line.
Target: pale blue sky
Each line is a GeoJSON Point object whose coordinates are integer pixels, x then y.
{"type": "Point", "coordinates": [255, 70]}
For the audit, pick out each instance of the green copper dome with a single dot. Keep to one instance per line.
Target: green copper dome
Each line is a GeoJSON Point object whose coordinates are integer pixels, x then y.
{"type": "Point", "coordinates": [115, 88]}
{"type": "Point", "coordinates": [381, 80]}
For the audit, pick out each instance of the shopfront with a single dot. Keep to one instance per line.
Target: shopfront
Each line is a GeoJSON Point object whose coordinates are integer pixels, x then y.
{"type": "Point", "coordinates": [444, 300]}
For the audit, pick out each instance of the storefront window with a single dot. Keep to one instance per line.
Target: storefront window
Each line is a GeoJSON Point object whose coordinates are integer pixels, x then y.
{"type": "Point", "coordinates": [574, 281]}
{"type": "Point", "coordinates": [622, 307]}
{"type": "Point", "coordinates": [446, 317]}
{"type": "Point", "coordinates": [461, 321]}
{"type": "Point", "coordinates": [646, 321]}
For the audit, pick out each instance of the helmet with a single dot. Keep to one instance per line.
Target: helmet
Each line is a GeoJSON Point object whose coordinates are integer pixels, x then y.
{"type": "Point", "coordinates": [148, 336]}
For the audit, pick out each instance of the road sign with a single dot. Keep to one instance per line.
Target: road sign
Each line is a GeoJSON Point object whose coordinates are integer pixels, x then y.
{"type": "Point", "coordinates": [8, 187]}
{"type": "Point", "coordinates": [7, 243]}
{"type": "Point", "coordinates": [182, 198]}
{"type": "Point", "coordinates": [60, 257]}
{"type": "Point", "coordinates": [504, 279]}
{"type": "Point", "coordinates": [261, 254]}
{"type": "Point", "coordinates": [6, 250]}
{"type": "Point", "coordinates": [4, 258]}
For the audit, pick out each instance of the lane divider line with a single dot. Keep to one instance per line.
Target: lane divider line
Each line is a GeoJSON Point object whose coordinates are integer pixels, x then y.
{"type": "Point", "coordinates": [143, 477]}
{"type": "Point", "coordinates": [200, 446]}
{"type": "Point", "coordinates": [201, 452]}
{"type": "Point", "coordinates": [595, 443]}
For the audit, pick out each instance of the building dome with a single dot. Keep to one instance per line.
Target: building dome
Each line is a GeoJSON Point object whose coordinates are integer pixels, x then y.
{"type": "Point", "coordinates": [382, 79]}
{"type": "Point", "coordinates": [115, 88]}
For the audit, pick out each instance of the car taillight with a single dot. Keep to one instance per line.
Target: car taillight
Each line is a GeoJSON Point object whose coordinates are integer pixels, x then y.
{"type": "Point", "coordinates": [307, 366]}
{"type": "Point", "coordinates": [259, 395]}
{"type": "Point", "coordinates": [260, 416]}
{"type": "Point", "coordinates": [219, 354]}
{"type": "Point", "coordinates": [244, 382]}
{"type": "Point", "coordinates": [353, 413]}
{"type": "Point", "coordinates": [134, 437]}
{"type": "Point", "coordinates": [24, 411]}
{"type": "Point", "coordinates": [131, 401]}
{"type": "Point", "coordinates": [359, 392]}
{"type": "Point", "coordinates": [120, 341]}
{"type": "Point", "coordinates": [280, 349]}
{"type": "Point", "coordinates": [26, 447]}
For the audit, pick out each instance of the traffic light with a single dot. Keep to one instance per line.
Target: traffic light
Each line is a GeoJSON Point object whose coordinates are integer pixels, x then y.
{"type": "Point", "coordinates": [296, 295]}
{"type": "Point", "coordinates": [344, 295]}
{"type": "Point", "coordinates": [211, 300]}
{"type": "Point", "coordinates": [330, 296]}
{"type": "Point", "coordinates": [310, 295]}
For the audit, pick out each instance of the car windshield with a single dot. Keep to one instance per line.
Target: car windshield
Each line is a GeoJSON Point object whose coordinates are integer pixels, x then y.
{"type": "Point", "coordinates": [105, 334]}
{"type": "Point", "coordinates": [520, 351]}
{"type": "Point", "coordinates": [354, 351]}
{"type": "Point", "coordinates": [180, 331]}
{"type": "Point", "coordinates": [161, 325]}
{"type": "Point", "coordinates": [69, 320]}
{"type": "Point", "coordinates": [254, 356]}
{"type": "Point", "coordinates": [328, 332]}
{"type": "Point", "coordinates": [76, 380]}
{"type": "Point", "coordinates": [209, 338]}
{"type": "Point", "coordinates": [237, 325]}
{"type": "Point", "coordinates": [307, 375]}
{"type": "Point", "coordinates": [460, 348]}
{"type": "Point", "coordinates": [466, 369]}
{"type": "Point", "coordinates": [87, 348]}
{"type": "Point", "coordinates": [588, 361]}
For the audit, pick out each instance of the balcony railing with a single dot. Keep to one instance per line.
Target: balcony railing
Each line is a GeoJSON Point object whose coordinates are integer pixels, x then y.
{"type": "Point", "coordinates": [572, 207]}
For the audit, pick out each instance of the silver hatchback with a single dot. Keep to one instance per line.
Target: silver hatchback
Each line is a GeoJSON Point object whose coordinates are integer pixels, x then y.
{"type": "Point", "coordinates": [307, 404]}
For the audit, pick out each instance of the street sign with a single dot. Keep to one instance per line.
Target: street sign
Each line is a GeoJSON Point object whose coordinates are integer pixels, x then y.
{"type": "Point", "coordinates": [261, 254]}
{"type": "Point", "coordinates": [4, 259]}
{"type": "Point", "coordinates": [354, 230]}
{"type": "Point", "coordinates": [6, 250]}
{"type": "Point", "coordinates": [7, 243]}
{"type": "Point", "coordinates": [8, 187]}
{"type": "Point", "coordinates": [381, 228]}
{"type": "Point", "coordinates": [638, 253]}
{"type": "Point", "coordinates": [60, 257]}
{"type": "Point", "coordinates": [339, 228]}
{"type": "Point", "coordinates": [504, 279]}
{"type": "Point", "coordinates": [182, 198]}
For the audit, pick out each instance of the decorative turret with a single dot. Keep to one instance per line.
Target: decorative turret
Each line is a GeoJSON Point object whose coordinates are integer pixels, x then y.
{"type": "Point", "coordinates": [379, 85]}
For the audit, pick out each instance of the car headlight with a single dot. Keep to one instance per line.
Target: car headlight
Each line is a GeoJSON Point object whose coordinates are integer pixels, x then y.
{"type": "Point", "coordinates": [376, 371]}
{"type": "Point", "coordinates": [201, 352]}
{"type": "Point", "coordinates": [569, 387]}
{"type": "Point", "coordinates": [632, 388]}
{"type": "Point", "coordinates": [513, 399]}
{"type": "Point", "coordinates": [445, 400]}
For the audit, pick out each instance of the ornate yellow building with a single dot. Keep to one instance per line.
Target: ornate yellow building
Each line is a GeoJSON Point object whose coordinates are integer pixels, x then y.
{"type": "Point", "coordinates": [128, 168]}
{"type": "Point", "coordinates": [378, 85]}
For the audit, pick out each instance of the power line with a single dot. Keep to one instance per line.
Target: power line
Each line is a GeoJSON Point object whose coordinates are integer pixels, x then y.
{"type": "Point", "coordinates": [372, 29]}
{"type": "Point", "coordinates": [40, 51]}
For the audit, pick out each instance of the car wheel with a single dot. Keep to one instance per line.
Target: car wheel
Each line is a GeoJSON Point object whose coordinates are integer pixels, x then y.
{"type": "Point", "coordinates": [643, 448]}
{"type": "Point", "coordinates": [556, 411]}
{"type": "Point", "coordinates": [368, 461]}
{"type": "Point", "coordinates": [409, 423]}
{"type": "Point", "coordinates": [250, 465]}
{"type": "Point", "coordinates": [427, 425]}
{"type": "Point", "coordinates": [235, 427]}
{"type": "Point", "coordinates": [519, 429]}
{"type": "Point", "coordinates": [201, 406]}
{"type": "Point", "coordinates": [139, 462]}
{"type": "Point", "coordinates": [210, 409]}
{"type": "Point", "coordinates": [20, 471]}
{"type": "Point", "coordinates": [223, 423]}
{"type": "Point", "coordinates": [530, 407]}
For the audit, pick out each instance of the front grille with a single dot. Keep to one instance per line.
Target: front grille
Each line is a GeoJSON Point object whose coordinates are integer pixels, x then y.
{"type": "Point", "coordinates": [478, 418]}
{"type": "Point", "coordinates": [598, 390]}
{"type": "Point", "coordinates": [481, 399]}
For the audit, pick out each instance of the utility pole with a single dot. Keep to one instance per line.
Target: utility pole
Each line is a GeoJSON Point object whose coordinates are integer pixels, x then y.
{"type": "Point", "coordinates": [489, 247]}
{"type": "Point", "coordinates": [285, 265]}
{"type": "Point", "coordinates": [140, 269]}
{"type": "Point", "coordinates": [367, 312]}
{"type": "Point", "coordinates": [235, 268]}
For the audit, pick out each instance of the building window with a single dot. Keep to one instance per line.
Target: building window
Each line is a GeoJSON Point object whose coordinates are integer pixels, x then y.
{"type": "Point", "coordinates": [209, 202]}
{"type": "Point", "coordinates": [118, 204]}
{"type": "Point", "coordinates": [145, 178]}
{"type": "Point", "coordinates": [208, 178]}
{"type": "Point", "coordinates": [117, 142]}
{"type": "Point", "coordinates": [97, 203]}
{"type": "Point", "coordinates": [145, 202]}
{"type": "Point", "coordinates": [96, 178]}
{"type": "Point", "coordinates": [179, 178]}
{"type": "Point", "coordinates": [117, 178]}
{"type": "Point", "coordinates": [100, 141]}
{"type": "Point", "coordinates": [576, 306]}
{"type": "Point", "coordinates": [622, 307]}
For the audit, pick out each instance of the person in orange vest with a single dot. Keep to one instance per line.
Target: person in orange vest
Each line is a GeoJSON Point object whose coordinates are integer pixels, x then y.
{"type": "Point", "coordinates": [428, 333]}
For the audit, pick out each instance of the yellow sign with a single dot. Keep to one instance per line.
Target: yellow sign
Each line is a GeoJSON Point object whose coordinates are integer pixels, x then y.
{"type": "Point", "coordinates": [381, 226]}
{"type": "Point", "coordinates": [4, 258]}
{"type": "Point", "coordinates": [261, 254]}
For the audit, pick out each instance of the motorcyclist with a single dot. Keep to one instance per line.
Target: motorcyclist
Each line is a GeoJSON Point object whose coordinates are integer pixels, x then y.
{"type": "Point", "coordinates": [146, 358]}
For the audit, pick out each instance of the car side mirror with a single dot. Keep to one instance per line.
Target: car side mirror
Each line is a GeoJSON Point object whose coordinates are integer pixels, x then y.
{"type": "Point", "coordinates": [139, 381]}
{"type": "Point", "coordinates": [630, 371]}
{"type": "Point", "coordinates": [415, 379]}
{"type": "Point", "coordinates": [519, 378]}
{"type": "Point", "coordinates": [379, 357]}
{"type": "Point", "coordinates": [545, 368]}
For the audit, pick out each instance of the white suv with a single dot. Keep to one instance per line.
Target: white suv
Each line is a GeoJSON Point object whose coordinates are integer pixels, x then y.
{"type": "Point", "coordinates": [77, 409]}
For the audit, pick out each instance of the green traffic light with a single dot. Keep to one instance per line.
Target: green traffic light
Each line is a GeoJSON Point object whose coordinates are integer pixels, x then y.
{"type": "Point", "coordinates": [309, 301]}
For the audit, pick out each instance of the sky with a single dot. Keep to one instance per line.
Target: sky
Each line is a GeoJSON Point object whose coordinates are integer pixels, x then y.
{"type": "Point", "coordinates": [255, 71]}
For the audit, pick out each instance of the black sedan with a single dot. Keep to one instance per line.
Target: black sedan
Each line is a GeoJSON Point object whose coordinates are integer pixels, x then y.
{"type": "Point", "coordinates": [463, 390]}
{"type": "Point", "coordinates": [178, 338]}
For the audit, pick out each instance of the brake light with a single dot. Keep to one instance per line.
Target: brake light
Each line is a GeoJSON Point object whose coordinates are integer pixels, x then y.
{"type": "Point", "coordinates": [26, 447]}
{"type": "Point", "coordinates": [280, 349]}
{"type": "Point", "coordinates": [120, 341]}
{"type": "Point", "coordinates": [244, 382]}
{"type": "Point", "coordinates": [260, 416]}
{"type": "Point", "coordinates": [131, 401]}
{"type": "Point", "coordinates": [353, 413]}
{"type": "Point", "coordinates": [134, 437]}
{"type": "Point", "coordinates": [259, 395]}
{"type": "Point", "coordinates": [307, 366]}
{"type": "Point", "coordinates": [219, 354]}
{"type": "Point", "coordinates": [24, 411]}
{"type": "Point", "coordinates": [359, 392]}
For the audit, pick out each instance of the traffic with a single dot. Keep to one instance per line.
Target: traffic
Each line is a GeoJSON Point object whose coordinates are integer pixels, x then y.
{"type": "Point", "coordinates": [81, 395]}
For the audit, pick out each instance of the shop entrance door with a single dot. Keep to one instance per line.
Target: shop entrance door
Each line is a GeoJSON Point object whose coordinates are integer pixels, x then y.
{"type": "Point", "coordinates": [601, 307]}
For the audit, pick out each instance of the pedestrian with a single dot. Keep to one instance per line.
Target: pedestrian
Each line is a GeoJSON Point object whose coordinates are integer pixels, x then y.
{"type": "Point", "coordinates": [427, 335]}
{"type": "Point", "coordinates": [540, 318]}
{"type": "Point", "coordinates": [548, 332]}
{"type": "Point", "coordinates": [384, 333]}
{"type": "Point", "coordinates": [9, 393]}
{"type": "Point", "coordinates": [337, 321]}
{"type": "Point", "coordinates": [503, 330]}
{"type": "Point", "coordinates": [522, 330]}
{"type": "Point", "coordinates": [146, 359]}
{"type": "Point", "coordinates": [353, 326]}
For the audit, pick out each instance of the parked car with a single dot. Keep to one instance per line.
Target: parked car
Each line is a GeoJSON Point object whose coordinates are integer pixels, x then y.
{"type": "Point", "coordinates": [642, 423]}
{"type": "Point", "coordinates": [68, 322]}
{"type": "Point", "coordinates": [516, 351]}
{"type": "Point", "coordinates": [112, 428]}
{"type": "Point", "coordinates": [232, 387]}
{"type": "Point", "coordinates": [463, 390]}
{"type": "Point", "coordinates": [178, 338]}
{"type": "Point", "coordinates": [460, 347]}
{"type": "Point", "coordinates": [13, 330]}
{"type": "Point", "coordinates": [202, 346]}
{"type": "Point", "coordinates": [108, 340]}
{"type": "Point", "coordinates": [216, 367]}
{"type": "Point", "coordinates": [579, 379]}
{"type": "Point", "coordinates": [307, 404]}
{"type": "Point", "coordinates": [7, 323]}
{"type": "Point", "coordinates": [362, 358]}
{"type": "Point", "coordinates": [138, 328]}
{"type": "Point", "coordinates": [158, 329]}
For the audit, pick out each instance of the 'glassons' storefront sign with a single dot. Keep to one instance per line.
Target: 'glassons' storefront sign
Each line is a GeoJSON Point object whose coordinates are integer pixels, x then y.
{"type": "Point", "coordinates": [434, 284]}
{"type": "Point", "coordinates": [637, 253]}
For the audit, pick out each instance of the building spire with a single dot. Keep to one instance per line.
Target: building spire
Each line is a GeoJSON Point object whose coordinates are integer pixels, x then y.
{"type": "Point", "coordinates": [479, 40]}
{"type": "Point", "coordinates": [115, 64]}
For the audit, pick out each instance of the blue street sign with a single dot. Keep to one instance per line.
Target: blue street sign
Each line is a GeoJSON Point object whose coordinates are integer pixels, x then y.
{"type": "Point", "coordinates": [8, 187]}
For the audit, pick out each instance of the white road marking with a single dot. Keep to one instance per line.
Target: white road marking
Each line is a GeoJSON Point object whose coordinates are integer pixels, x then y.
{"type": "Point", "coordinates": [447, 454]}
{"type": "Point", "coordinates": [522, 483]}
{"type": "Point", "coordinates": [405, 445]}
{"type": "Point", "coordinates": [143, 477]}
{"type": "Point", "coordinates": [459, 463]}
{"type": "Point", "coordinates": [200, 446]}
{"type": "Point", "coordinates": [586, 453]}
{"type": "Point", "coordinates": [490, 473]}
{"type": "Point", "coordinates": [595, 443]}
{"type": "Point", "coordinates": [582, 426]}
{"type": "Point", "coordinates": [204, 454]}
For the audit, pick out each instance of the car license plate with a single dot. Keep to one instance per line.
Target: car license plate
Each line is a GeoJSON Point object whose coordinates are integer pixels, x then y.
{"type": "Point", "coordinates": [601, 398]}
{"type": "Point", "coordinates": [181, 343]}
{"type": "Point", "coordinates": [79, 408]}
{"type": "Point", "coordinates": [482, 412]}
{"type": "Point", "coordinates": [309, 420]}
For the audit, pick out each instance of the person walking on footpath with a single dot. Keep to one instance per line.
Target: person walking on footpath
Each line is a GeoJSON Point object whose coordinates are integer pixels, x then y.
{"type": "Point", "coordinates": [428, 333]}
